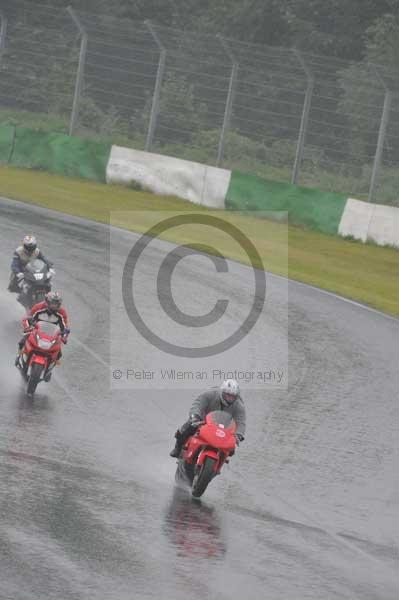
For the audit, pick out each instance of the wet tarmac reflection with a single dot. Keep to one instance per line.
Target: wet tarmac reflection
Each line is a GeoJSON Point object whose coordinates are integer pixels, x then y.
{"type": "Point", "coordinates": [193, 527]}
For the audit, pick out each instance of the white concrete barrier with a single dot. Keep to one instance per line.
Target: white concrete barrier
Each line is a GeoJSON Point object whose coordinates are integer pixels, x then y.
{"type": "Point", "coordinates": [355, 220]}
{"type": "Point", "coordinates": [202, 184]}
{"type": "Point", "coordinates": [370, 222]}
{"type": "Point", "coordinates": [384, 225]}
{"type": "Point", "coordinates": [166, 175]}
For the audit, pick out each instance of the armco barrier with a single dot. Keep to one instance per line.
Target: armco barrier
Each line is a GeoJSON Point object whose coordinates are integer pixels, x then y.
{"type": "Point", "coordinates": [308, 207]}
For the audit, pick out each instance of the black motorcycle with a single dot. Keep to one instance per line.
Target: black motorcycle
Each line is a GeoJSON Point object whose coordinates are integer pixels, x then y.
{"type": "Point", "coordinates": [35, 283]}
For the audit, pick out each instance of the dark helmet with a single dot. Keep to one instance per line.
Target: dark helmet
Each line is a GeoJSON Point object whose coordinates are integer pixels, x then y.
{"type": "Point", "coordinates": [53, 301]}
{"type": "Point", "coordinates": [30, 243]}
{"type": "Point", "coordinates": [229, 392]}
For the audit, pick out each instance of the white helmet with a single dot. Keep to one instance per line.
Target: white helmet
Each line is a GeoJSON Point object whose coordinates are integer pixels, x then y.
{"type": "Point", "coordinates": [229, 392]}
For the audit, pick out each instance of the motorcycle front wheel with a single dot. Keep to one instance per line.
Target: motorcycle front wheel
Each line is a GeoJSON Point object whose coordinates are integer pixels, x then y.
{"type": "Point", "coordinates": [203, 477]}
{"type": "Point", "coordinates": [34, 378]}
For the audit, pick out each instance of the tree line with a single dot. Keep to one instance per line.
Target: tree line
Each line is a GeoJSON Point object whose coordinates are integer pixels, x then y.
{"type": "Point", "coordinates": [339, 28]}
{"type": "Point", "coordinates": [358, 32]}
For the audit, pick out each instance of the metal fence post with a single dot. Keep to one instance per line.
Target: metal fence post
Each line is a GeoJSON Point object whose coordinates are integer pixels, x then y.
{"type": "Point", "coordinates": [305, 117]}
{"type": "Point", "coordinates": [381, 135]}
{"type": "Point", "coordinates": [157, 90]}
{"type": "Point", "coordinates": [3, 32]}
{"type": "Point", "coordinates": [3, 29]}
{"type": "Point", "coordinates": [229, 100]}
{"type": "Point", "coordinates": [80, 73]}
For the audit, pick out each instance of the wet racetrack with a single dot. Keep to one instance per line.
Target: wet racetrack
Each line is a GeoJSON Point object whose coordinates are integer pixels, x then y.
{"type": "Point", "coordinates": [308, 509]}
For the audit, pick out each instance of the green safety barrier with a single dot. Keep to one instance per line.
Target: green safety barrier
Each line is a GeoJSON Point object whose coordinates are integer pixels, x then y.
{"type": "Point", "coordinates": [7, 134]}
{"type": "Point", "coordinates": [312, 208]}
{"type": "Point", "coordinates": [60, 153]}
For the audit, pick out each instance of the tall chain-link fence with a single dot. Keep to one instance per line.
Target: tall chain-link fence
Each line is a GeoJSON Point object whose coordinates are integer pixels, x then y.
{"type": "Point", "coordinates": [276, 112]}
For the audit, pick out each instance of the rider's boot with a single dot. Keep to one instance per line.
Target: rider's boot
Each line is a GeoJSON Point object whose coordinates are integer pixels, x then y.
{"type": "Point", "coordinates": [182, 436]}
{"type": "Point", "coordinates": [21, 345]}
{"type": "Point", "coordinates": [12, 287]}
{"type": "Point", "coordinates": [58, 360]}
{"type": "Point", "coordinates": [175, 453]}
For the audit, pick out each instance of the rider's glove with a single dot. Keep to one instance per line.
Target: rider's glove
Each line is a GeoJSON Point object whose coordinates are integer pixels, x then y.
{"type": "Point", "coordinates": [239, 438]}
{"type": "Point", "coordinates": [65, 334]}
{"type": "Point", "coordinates": [51, 271]}
{"type": "Point", "coordinates": [196, 420]}
{"type": "Point", "coordinates": [19, 276]}
{"type": "Point", "coordinates": [28, 325]}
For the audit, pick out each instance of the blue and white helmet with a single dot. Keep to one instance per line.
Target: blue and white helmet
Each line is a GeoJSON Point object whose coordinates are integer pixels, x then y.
{"type": "Point", "coordinates": [229, 392]}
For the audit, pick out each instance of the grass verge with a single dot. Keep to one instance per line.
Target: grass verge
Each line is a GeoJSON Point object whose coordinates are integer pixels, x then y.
{"type": "Point", "coordinates": [363, 272]}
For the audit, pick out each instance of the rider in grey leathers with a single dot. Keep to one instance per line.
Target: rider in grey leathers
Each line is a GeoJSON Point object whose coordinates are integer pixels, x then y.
{"type": "Point", "coordinates": [226, 398]}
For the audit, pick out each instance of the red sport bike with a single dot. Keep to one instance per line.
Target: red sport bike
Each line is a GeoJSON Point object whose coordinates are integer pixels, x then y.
{"type": "Point", "coordinates": [39, 355]}
{"type": "Point", "coordinates": [206, 451]}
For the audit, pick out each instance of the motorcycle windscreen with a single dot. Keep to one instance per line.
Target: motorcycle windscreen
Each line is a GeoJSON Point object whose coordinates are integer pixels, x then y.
{"type": "Point", "coordinates": [35, 270]}
{"type": "Point", "coordinates": [48, 328]}
{"type": "Point", "coordinates": [221, 419]}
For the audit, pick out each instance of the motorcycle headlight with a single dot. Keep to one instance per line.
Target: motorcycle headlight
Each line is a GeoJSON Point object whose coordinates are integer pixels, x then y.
{"type": "Point", "coordinates": [44, 344]}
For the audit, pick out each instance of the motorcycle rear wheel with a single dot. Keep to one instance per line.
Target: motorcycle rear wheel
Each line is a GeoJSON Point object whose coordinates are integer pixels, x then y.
{"type": "Point", "coordinates": [203, 477]}
{"type": "Point", "coordinates": [34, 378]}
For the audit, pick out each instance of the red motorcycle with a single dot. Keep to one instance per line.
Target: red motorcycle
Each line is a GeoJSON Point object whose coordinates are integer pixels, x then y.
{"type": "Point", "coordinates": [39, 355]}
{"type": "Point", "coordinates": [206, 451]}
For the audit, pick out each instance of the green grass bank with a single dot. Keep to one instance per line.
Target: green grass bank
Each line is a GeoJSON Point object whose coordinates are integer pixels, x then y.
{"type": "Point", "coordinates": [362, 272]}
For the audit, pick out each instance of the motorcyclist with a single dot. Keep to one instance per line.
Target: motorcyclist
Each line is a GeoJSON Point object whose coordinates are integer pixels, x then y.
{"type": "Point", "coordinates": [22, 256]}
{"type": "Point", "coordinates": [227, 398]}
{"type": "Point", "coordinates": [49, 310]}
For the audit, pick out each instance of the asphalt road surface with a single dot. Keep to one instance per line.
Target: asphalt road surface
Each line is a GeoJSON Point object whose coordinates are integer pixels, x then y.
{"type": "Point", "coordinates": [307, 509]}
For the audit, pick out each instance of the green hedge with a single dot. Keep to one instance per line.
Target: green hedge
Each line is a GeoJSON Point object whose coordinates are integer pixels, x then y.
{"type": "Point", "coordinates": [7, 133]}
{"type": "Point", "coordinates": [312, 208]}
{"type": "Point", "coordinates": [54, 152]}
